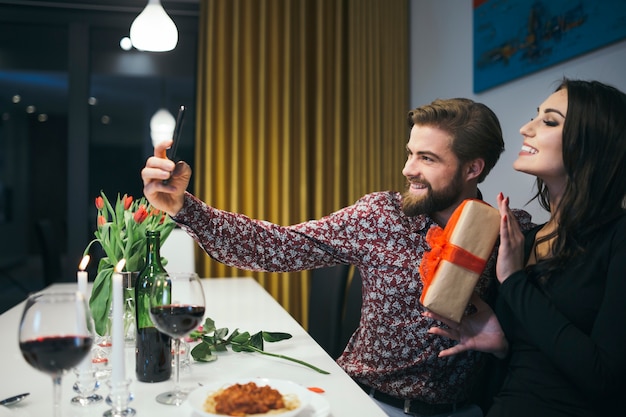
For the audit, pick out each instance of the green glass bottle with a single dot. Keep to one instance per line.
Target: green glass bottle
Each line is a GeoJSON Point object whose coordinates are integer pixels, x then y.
{"type": "Point", "coordinates": [153, 354]}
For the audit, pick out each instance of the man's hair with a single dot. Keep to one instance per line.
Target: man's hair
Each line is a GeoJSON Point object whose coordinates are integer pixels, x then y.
{"type": "Point", "coordinates": [474, 128]}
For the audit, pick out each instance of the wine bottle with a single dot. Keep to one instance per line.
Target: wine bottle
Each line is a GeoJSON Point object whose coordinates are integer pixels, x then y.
{"type": "Point", "coordinates": [153, 354]}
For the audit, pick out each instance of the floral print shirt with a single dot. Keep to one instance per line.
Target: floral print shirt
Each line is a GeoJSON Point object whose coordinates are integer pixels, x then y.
{"type": "Point", "coordinates": [391, 350]}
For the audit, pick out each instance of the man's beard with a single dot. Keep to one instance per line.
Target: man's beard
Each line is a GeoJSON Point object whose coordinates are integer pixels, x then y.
{"type": "Point", "coordinates": [433, 201]}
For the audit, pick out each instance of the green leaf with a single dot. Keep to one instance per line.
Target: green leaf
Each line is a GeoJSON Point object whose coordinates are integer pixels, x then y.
{"type": "Point", "coordinates": [100, 300]}
{"type": "Point", "coordinates": [107, 204]}
{"type": "Point", "coordinates": [86, 251]}
{"type": "Point", "coordinates": [238, 348]}
{"type": "Point", "coordinates": [209, 326]}
{"type": "Point", "coordinates": [275, 336]}
{"type": "Point", "coordinates": [241, 338]}
{"type": "Point", "coordinates": [195, 335]}
{"type": "Point", "coordinates": [221, 333]}
{"type": "Point", "coordinates": [221, 346]}
{"type": "Point", "coordinates": [202, 353]}
{"type": "Point", "coordinates": [257, 340]}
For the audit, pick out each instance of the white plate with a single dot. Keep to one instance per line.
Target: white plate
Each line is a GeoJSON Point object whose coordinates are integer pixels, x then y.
{"type": "Point", "coordinates": [197, 397]}
{"type": "Point", "coordinates": [318, 407]}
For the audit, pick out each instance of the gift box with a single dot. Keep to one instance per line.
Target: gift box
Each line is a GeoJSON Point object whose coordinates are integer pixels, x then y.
{"type": "Point", "coordinates": [458, 256]}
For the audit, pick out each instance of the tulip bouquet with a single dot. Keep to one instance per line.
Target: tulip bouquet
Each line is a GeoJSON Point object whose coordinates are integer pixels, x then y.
{"type": "Point", "coordinates": [121, 231]}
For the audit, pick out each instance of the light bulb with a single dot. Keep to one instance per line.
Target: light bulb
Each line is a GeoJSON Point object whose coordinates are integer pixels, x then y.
{"type": "Point", "coordinates": [162, 125]}
{"type": "Point", "coordinates": [153, 30]}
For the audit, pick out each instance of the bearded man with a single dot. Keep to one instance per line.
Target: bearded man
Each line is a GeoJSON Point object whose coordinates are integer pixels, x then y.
{"type": "Point", "coordinates": [453, 145]}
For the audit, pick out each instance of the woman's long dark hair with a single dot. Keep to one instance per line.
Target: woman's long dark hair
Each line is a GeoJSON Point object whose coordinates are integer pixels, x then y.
{"type": "Point", "coordinates": [594, 156]}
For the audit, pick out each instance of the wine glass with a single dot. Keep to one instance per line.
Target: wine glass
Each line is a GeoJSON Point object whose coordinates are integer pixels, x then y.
{"type": "Point", "coordinates": [55, 335]}
{"type": "Point", "coordinates": [176, 308]}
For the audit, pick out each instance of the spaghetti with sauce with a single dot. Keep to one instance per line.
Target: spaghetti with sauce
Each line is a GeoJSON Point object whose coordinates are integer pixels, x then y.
{"type": "Point", "coordinates": [249, 399]}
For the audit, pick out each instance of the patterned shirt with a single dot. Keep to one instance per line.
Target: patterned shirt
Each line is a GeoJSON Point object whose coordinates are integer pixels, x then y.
{"type": "Point", "coordinates": [391, 350]}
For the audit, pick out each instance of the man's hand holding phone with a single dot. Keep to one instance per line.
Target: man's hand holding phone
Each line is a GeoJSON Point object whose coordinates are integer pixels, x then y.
{"type": "Point", "coordinates": [165, 180]}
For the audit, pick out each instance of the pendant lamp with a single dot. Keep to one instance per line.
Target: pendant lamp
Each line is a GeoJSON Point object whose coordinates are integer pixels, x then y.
{"type": "Point", "coordinates": [153, 30]}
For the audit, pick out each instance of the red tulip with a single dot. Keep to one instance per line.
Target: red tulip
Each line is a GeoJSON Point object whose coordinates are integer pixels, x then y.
{"type": "Point", "coordinates": [141, 214]}
{"type": "Point", "coordinates": [128, 200]}
{"type": "Point", "coordinates": [101, 220]}
{"type": "Point", "coordinates": [99, 203]}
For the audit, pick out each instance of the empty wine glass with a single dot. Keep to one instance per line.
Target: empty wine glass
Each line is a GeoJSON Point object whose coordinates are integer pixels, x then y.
{"type": "Point", "coordinates": [55, 335]}
{"type": "Point", "coordinates": [176, 308]}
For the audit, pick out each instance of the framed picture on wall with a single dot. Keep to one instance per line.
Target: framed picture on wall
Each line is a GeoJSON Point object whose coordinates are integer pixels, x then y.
{"type": "Point", "coordinates": [513, 38]}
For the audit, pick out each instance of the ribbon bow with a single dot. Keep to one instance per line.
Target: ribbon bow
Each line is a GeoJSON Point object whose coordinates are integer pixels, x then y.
{"type": "Point", "coordinates": [443, 250]}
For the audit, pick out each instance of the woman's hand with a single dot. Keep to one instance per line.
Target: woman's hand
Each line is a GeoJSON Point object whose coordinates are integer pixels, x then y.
{"type": "Point", "coordinates": [479, 331]}
{"type": "Point", "coordinates": [166, 197]}
{"type": "Point", "coordinates": [511, 249]}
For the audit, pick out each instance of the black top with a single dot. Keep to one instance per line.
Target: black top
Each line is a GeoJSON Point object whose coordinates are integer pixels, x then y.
{"type": "Point", "coordinates": [567, 337]}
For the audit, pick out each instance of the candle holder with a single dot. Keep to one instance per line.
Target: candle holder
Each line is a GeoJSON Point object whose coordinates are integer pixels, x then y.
{"type": "Point", "coordinates": [119, 397]}
{"type": "Point", "coordinates": [85, 386]}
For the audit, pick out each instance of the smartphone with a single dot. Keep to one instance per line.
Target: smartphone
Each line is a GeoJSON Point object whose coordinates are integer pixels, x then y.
{"type": "Point", "coordinates": [178, 127]}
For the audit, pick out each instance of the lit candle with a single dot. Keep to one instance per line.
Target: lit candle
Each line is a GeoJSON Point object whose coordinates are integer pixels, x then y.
{"type": "Point", "coordinates": [118, 371]}
{"type": "Point", "coordinates": [81, 276]}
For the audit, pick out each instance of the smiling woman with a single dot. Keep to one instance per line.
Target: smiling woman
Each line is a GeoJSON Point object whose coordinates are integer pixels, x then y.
{"type": "Point", "coordinates": [542, 151]}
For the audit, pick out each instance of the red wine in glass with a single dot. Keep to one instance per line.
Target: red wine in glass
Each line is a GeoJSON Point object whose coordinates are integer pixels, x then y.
{"type": "Point", "coordinates": [176, 308]}
{"type": "Point", "coordinates": [55, 354]}
{"type": "Point", "coordinates": [55, 335]}
{"type": "Point", "coordinates": [177, 320]}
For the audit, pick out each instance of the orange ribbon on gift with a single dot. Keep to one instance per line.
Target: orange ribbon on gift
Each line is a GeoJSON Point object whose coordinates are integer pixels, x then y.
{"type": "Point", "coordinates": [443, 250]}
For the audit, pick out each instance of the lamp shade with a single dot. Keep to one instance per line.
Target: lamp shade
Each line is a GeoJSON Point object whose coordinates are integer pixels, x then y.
{"type": "Point", "coordinates": [153, 30]}
{"type": "Point", "coordinates": [162, 125]}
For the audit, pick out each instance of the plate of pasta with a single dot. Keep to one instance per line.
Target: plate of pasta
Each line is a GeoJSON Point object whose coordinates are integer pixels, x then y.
{"type": "Point", "coordinates": [250, 397]}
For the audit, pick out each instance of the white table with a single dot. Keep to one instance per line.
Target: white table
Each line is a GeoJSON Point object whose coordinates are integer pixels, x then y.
{"type": "Point", "coordinates": [233, 303]}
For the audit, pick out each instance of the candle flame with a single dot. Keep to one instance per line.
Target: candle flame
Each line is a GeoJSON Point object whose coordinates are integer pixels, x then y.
{"type": "Point", "coordinates": [120, 265]}
{"type": "Point", "coordinates": [83, 263]}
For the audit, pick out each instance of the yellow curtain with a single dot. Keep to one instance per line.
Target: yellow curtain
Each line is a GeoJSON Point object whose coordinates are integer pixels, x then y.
{"type": "Point", "coordinates": [301, 110]}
